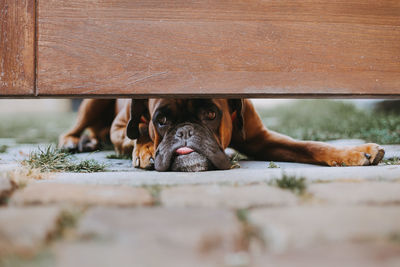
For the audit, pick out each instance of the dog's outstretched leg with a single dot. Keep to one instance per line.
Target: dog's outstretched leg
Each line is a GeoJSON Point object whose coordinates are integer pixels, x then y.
{"type": "Point", "coordinates": [262, 144]}
{"type": "Point", "coordinates": [94, 115]}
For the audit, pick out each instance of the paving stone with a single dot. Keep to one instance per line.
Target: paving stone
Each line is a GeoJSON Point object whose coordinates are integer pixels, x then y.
{"type": "Point", "coordinates": [250, 172]}
{"type": "Point", "coordinates": [378, 193]}
{"type": "Point", "coordinates": [24, 230]}
{"type": "Point", "coordinates": [354, 255]}
{"type": "Point", "coordinates": [202, 230]}
{"type": "Point", "coordinates": [97, 254]}
{"type": "Point", "coordinates": [226, 196]}
{"type": "Point", "coordinates": [305, 226]}
{"type": "Point", "coordinates": [42, 193]}
{"type": "Point", "coordinates": [5, 188]}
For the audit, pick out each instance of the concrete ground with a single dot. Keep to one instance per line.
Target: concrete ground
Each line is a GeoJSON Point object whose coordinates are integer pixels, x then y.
{"type": "Point", "coordinates": [345, 216]}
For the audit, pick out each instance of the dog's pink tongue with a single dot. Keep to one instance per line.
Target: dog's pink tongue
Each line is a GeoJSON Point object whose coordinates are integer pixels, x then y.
{"type": "Point", "coordinates": [184, 150]}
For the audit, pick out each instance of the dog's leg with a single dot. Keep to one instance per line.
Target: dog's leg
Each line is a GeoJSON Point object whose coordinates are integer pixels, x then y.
{"type": "Point", "coordinates": [96, 116]}
{"type": "Point", "coordinates": [141, 149]}
{"type": "Point", "coordinates": [262, 144]}
{"type": "Point", "coordinates": [143, 153]}
{"type": "Point", "coordinates": [122, 144]}
{"type": "Point", "coordinates": [277, 147]}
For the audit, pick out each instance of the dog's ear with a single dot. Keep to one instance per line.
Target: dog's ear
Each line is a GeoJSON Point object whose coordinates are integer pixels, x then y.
{"type": "Point", "coordinates": [139, 112]}
{"type": "Point", "coordinates": [236, 109]}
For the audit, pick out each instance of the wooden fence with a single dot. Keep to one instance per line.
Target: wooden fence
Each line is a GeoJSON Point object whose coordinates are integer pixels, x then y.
{"type": "Point", "coordinates": [137, 48]}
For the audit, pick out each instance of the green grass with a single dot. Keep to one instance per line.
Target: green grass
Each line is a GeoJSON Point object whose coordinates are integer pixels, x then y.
{"type": "Point", "coordinates": [273, 165]}
{"type": "Point", "coordinates": [292, 183]}
{"type": "Point", "coordinates": [392, 161]}
{"type": "Point", "coordinates": [66, 222]}
{"type": "Point", "coordinates": [242, 215]}
{"type": "Point", "coordinates": [3, 148]}
{"type": "Point", "coordinates": [235, 160]}
{"type": "Point", "coordinates": [51, 159]}
{"type": "Point", "coordinates": [34, 128]}
{"type": "Point", "coordinates": [323, 120]}
{"type": "Point", "coordinates": [44, 258]}
{"type": "Point", "coordinates": [155, 192]}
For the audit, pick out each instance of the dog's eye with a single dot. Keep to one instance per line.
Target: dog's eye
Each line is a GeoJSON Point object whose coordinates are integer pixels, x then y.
{"type": "Point", "coordinates": [162, 120]}
{"type": "Point", "coordinates": [210, 115]}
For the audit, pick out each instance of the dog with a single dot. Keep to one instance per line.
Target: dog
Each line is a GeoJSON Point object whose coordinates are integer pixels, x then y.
{"type": "Point", "coordinates": [192, 134]}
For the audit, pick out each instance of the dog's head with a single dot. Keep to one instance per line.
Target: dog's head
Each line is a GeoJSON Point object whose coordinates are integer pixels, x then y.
{"type": "Point", "coordinates": [188, 134]}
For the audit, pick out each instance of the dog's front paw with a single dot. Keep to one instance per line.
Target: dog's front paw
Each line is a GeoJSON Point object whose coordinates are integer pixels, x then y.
{"type": "Point", "coordinates": [373, 153]}
{"type": "Point", "coordinates": [88, 144]}
{"type": "Point", "coordinates": [363, 155]}
{"type": "Point", "coordinates": [76, 144]}
{"type": "Point", "coordinates": [143, 155]}
{"type": "Point", "coordinates": [68, 143]}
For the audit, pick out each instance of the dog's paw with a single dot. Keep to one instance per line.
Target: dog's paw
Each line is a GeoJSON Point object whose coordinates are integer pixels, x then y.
{"type": "Point", "coordinates": [68, 143]}
{"type": "Point", "coordinates": [373, 152]}
{"type": "Point", "coordinates": [88, 144]}
{"type": "Point", "coordinates": [363, 155]}
{"type": "Point", "coordinates": [143, 155]}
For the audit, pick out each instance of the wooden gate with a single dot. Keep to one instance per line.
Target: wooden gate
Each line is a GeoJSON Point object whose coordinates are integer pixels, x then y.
{"type": "Point", "coordinates": [270, 48]}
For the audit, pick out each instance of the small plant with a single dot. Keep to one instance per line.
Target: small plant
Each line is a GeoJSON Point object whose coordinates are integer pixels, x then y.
{"type": "Point", "coordinates": [395, 237]}
{"type": "Point", "coordinates": [243, 215]}
{"type": "Point", "coordinates": [52, 159]}
{"type": "Point", "coordinates": [120, 156]}
{"type": "Point", "coordinates": [392, 161]}
{"type": "Point", "coordinates": [249, 230]}
{"type": "Point", "coordinates": [155, 192]}
{"type": "Point", "coordinates": [273, 165]}
{"type": "Point", "coordinates": [292, 183]}
{"type": "Point", "coordinates": [88, 165]}
{"type": "Point", "coordinates": [235, 160]}
{"type": "Point", "coordinates": [66, 222]}
{"type": "Point", "coordinates": [3, 148]}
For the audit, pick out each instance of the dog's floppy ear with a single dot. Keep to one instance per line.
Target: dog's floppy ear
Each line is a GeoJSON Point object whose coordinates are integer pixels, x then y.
{"type": "Point", "coordinates": [139, 110]}
{"type": "Point", "coordinates": [236, 108]}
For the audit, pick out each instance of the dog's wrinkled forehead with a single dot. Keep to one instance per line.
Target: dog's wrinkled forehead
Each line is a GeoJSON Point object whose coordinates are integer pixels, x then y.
{"type": "Point", "coordinates": [180, 107]}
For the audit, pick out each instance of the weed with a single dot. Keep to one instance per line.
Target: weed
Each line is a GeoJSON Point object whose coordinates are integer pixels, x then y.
{"type": "Point", "coordinates": [48, 159]}
{"type": "Point", "coordinates": [88, 165]}
{"type": "Point", "coordinates": [392, 161]}
{"type": "Point", "coordinates": [235, 160]}
{"type": "Point", "coordinates": [395, 237]}
{"type": "Point", "coordinates": [120, 156]}
{"type": "Point", "coordinates": [242, 215]}
{"type": "Point", "coordinates": [66, 222]}
{"type": "Point", "coordinates": [155, 191]}
{"type": "Point", "coordinates": [249, 230]}
{"type": "Point", "coordinates": [292, 183]}
{"type": "Point", "coordinates": [3, 148]}
{"type": "Point", "coordinates": [43, 258]}
{"type": "Point", "coordinates": [272, 165]}
{"type": "Point", "coordinates": [51, 159]}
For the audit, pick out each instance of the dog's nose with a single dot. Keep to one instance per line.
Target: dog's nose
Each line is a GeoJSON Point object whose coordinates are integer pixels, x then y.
{"type": "Point", "coordinates": [185, 132]}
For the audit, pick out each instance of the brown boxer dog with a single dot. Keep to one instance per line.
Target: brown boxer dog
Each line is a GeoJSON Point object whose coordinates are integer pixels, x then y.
{"type": "Point", "coordinates": [192, 134]}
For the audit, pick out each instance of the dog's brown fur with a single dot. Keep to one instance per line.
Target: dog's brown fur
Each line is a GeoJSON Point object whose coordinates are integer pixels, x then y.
{"type": "Point", "coordinates": [102, 117]}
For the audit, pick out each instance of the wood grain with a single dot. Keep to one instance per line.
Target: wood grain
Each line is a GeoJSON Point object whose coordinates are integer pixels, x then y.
{"type": "Point", "coordinates": [253, 48]}
{"type": "Point", "coordinates": [17, 47]}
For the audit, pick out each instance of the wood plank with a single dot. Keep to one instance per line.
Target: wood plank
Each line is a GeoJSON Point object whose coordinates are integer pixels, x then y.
{"type": "Point", "coordinates": [17, 47]}
{"type": "Point", "coordinates": [377, 12]}
{"type": "Point", "coordinates": [257, 48]}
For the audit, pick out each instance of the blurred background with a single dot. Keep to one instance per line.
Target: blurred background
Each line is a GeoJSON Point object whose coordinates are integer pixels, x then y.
{"type": "Point", "coordinates": [42, 120]}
